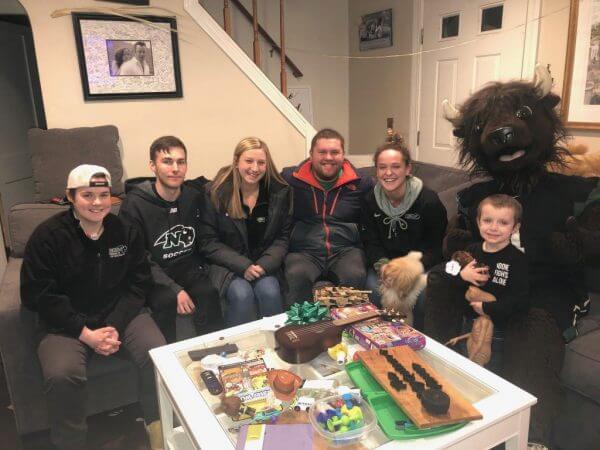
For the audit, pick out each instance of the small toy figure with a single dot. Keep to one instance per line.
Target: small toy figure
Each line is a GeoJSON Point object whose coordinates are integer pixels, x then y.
{"type": "Point", "coordinates": [338, 353]}
{"type": "Point", "coordinates": [341, 415]}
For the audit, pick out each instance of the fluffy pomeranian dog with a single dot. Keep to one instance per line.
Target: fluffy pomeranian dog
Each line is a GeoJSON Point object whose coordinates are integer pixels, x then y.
{"type": "Point", "coordinates": [402, 280]}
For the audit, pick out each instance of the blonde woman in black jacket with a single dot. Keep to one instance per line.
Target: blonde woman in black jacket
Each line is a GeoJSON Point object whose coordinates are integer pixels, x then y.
{"type": "Point", "coordinates": [244, 232]}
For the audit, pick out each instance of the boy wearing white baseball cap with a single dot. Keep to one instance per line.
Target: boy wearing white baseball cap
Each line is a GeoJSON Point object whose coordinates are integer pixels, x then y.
{"type": "Point", "coordinates": [86, 274]}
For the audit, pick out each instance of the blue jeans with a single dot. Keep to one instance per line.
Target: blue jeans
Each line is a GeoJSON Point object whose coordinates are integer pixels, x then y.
{"type": "Point", "coordinates": [373, 283]}
{"type": "Point", "coordinates": [249, 300]}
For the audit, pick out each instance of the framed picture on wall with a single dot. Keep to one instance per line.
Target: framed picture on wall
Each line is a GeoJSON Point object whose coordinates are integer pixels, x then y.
{"type": "Point", "coordinates": [375, 30]}
{"type": "Point", "coordinates": [581, 88]}
{"type": "Point", "coordinates": [122, 58]}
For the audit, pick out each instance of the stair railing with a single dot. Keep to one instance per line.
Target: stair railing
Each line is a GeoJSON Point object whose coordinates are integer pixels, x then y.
{"type": "Point", "coordinates": [259, 31]}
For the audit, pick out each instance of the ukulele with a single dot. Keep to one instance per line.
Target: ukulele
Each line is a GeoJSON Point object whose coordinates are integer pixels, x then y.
{"type": "Point", "coordinates": [297, 344]}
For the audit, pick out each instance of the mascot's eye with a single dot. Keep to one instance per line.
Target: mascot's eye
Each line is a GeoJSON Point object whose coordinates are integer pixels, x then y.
{"type": "Point", "coordinates": [478, 128]}
{"type": "Point", "coordinates": [524, 112]}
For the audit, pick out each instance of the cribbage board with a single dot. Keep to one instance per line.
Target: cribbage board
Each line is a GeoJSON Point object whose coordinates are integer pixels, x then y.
{"type": "Point", "coordinates": [332, 296]}
{"type": "Point", "coordinates": [461, 410]}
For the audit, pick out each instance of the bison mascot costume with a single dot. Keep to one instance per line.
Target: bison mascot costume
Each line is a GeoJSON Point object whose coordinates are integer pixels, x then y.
{"type": "Point", "coordinates": [510, 132]}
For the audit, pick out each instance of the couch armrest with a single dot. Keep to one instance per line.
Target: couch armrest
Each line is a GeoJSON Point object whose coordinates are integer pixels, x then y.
{"type": "Point", "coordinates": [18, 348]}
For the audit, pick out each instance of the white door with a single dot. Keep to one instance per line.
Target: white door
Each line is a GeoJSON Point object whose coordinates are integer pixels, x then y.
{"type": "Point", "coordinates": [466, 43]}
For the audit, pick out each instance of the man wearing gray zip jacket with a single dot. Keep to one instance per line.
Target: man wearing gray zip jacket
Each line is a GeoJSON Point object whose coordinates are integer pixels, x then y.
{"type": "Point", "coordinates": [166, 212]}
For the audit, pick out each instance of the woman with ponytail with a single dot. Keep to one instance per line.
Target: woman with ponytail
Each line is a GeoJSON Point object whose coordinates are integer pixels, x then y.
{"type": "Point", "coordinates": [398, 216]}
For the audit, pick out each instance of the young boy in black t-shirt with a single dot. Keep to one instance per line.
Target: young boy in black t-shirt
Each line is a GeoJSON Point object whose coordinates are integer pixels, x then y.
{"type": "Point", "coordinates": [498, 268]}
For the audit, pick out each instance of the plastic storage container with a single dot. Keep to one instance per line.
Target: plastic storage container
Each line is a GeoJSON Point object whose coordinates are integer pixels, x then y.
{"type": "Point", "coordinates": [335, 421]}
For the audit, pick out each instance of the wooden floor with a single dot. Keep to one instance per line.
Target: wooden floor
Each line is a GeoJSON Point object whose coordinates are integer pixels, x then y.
{"type": "Point", "coordinates": [117, 430]}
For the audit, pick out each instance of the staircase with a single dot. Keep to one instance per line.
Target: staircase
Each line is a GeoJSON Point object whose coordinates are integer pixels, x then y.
{"type": "Point", "coordinates": [251, 67]}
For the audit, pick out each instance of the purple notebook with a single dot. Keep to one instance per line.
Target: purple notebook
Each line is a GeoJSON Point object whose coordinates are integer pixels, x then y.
{"type": "Point", "coordinates": [278, 437]}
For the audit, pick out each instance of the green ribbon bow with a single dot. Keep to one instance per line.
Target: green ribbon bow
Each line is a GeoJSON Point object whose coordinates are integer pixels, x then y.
{"type": "Point", "coordinates": [307, 312]}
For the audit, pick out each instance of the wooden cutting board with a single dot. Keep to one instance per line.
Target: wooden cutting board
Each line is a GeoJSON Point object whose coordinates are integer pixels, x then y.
{"type": "Point", "coordinates": [461, 410]}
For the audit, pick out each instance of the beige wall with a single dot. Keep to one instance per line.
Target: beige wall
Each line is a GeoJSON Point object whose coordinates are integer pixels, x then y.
{"type": "Point", "coordinates": [552, 50]}
{"type": "Point", "coordinates": [219, 105]}
{"type": "Point", "coordinates": [314, 30]}
{"type": "Point", "coordinates": [379, 88]}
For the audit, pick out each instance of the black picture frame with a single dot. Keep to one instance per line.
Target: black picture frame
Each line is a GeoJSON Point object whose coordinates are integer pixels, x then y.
{"type": "Point", "coordinates": [376, 30]}
{"type": "Point", "coordinates": [109, 49]}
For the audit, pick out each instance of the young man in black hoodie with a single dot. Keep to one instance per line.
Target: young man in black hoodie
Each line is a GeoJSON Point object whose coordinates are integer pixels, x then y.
{"type": "Point", "coordinates": [166, 211]}
{"type": "Point", "coordinates": [85, 273]}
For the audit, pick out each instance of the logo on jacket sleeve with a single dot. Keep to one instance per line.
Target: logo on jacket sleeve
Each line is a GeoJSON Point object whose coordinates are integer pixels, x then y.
{"type": "Point", "coordinates": [175, 237]}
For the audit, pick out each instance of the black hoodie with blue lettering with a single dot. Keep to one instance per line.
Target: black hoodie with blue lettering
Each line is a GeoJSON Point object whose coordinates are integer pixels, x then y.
{"type": "Point", "coordinates": [169, 230]}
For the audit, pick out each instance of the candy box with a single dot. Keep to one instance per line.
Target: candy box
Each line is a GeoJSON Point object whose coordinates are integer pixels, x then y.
{"type": "Point", "coordinates": [349, 312]}
{"type": "Point", "coordinates": [378, 333]}
{"type": "Point", "coordinates": [342, 419]}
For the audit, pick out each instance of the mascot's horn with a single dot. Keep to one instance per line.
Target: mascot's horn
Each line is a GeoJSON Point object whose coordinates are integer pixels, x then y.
{"type": "Point", "coordinates": [450, 111]}
{"type": "Point", "coordinates": [542, 80]}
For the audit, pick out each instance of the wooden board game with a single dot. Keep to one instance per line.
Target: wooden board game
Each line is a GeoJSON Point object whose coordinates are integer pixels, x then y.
{"type": "Point", "coordinates": [460, 409]}
{"type": "Point", "coordinates": [332, 296]}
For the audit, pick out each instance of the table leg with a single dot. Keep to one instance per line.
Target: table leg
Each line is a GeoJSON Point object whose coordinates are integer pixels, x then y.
{"type": "Point", "coordinates": [519, 441]}
{"type": "Point", "coordinates": [165, 408]}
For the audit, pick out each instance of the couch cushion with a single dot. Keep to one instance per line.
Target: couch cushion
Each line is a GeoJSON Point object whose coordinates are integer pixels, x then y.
{"type": "Point", "coordinates": [56, 151]}
{"type": "Point", "coordinates": [439, 178]}
{"type": "Point", "coordinates": [25, 217]}
{"type": "Point", "coordinates": [448, 197]}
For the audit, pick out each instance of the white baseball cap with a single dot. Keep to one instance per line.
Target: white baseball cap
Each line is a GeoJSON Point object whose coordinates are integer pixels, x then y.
{"type": "Point", "coordinates": [81, 176]}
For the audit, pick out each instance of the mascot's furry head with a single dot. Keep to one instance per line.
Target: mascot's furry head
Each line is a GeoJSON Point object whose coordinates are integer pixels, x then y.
{"type": "Point", "coordinates": [402, 280]}
{"type": "Point", "coordinates": [510, 131]}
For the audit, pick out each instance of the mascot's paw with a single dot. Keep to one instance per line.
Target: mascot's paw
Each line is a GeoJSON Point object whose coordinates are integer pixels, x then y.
{"type": "Point", "coordinates": [581, 241]}
{"type": "Point", "coordinates": [578, 161]}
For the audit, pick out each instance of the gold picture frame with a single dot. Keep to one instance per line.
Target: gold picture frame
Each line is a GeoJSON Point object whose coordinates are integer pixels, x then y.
{"type": "Point", "coordinates": [581, 88]}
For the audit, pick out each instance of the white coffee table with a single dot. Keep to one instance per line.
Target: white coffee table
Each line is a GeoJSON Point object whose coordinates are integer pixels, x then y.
{"type": "Point", "coordinates": [505, 407]}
